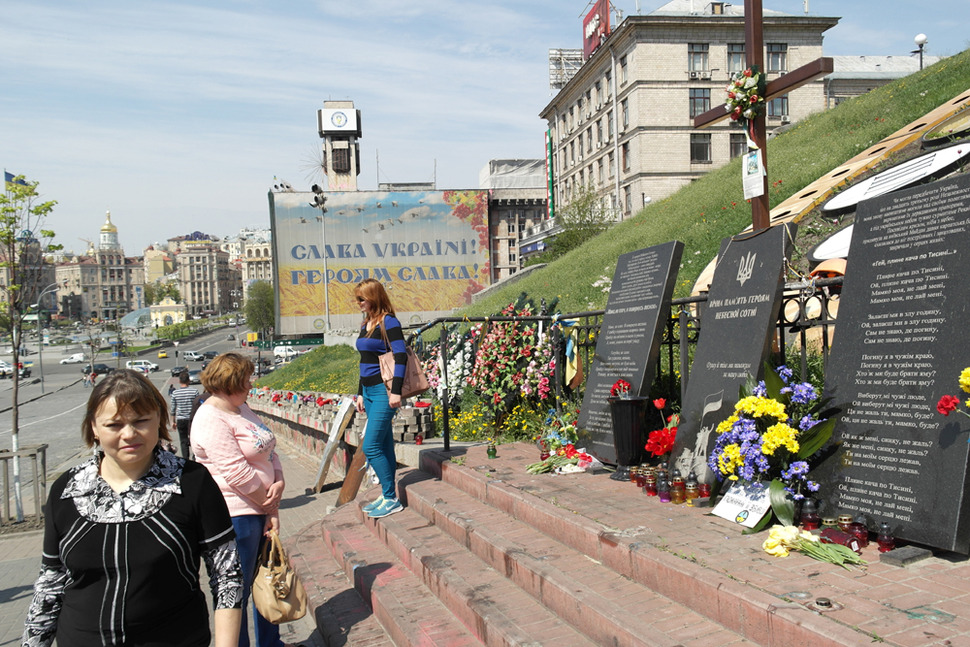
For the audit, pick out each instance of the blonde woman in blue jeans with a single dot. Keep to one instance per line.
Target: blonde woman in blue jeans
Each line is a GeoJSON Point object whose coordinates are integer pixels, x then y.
{"type": "Point", "coordinates": [380, 333]}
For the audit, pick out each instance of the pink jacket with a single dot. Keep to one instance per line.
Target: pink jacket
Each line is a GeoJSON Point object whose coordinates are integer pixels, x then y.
{"type": "Point", "coordinates": [239, 452]}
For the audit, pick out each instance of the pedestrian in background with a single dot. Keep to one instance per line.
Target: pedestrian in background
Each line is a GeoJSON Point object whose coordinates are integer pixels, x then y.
{"type": "Point", "coordinates": [125, 532]}
{"type": "Point", "coordinates": [380, 333]}
{"type": "Point", "coordinates": [240, 453]}
{"type": "Point", "coordinates": [182, 400]}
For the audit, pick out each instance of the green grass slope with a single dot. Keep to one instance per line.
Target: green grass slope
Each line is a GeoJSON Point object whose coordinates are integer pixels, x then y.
{"type": "Point", "coordinates": [704, 212]}
{"type": "Point", "coordinates": [699, 215]}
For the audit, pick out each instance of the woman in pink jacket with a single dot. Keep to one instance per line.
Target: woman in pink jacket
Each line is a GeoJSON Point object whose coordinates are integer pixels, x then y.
{"type": "Point", "coordinates": [239, 452]}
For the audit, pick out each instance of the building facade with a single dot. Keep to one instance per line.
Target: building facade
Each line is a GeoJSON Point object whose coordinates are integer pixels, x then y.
{"type": "Point", "coordinates": [623, 124]}
{"type": "Point", "coordinates": [207, 281]}
{"type": "Point", "coordinates": [516, 202]}
{"type": "Point", "coordinates": [102, 284]}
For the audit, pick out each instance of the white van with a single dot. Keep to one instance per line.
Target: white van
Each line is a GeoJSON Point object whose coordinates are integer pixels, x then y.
{"type": "Point", "coordinates": [285, 352]}
{"type": "Point", "coordinates": [142, 365]}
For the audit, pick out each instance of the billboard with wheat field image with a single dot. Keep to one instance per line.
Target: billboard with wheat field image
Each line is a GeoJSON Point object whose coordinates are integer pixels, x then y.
{"type": "Point", "coordinates": [428, 248]}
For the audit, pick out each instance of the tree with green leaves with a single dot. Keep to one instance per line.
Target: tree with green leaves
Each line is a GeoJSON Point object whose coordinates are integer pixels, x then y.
{"type": "Point", "coordinates": [23, 245]}
{"type": "Point", "coordinates": [583, 218]}
{"type": "Point", "coordinates": [260, 307]}
{"type": "Point", "coordinates": [155, 292]}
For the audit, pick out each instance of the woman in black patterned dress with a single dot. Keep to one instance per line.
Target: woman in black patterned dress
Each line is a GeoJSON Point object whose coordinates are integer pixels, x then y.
{"type": "Point", "coordinates": [125, 532]}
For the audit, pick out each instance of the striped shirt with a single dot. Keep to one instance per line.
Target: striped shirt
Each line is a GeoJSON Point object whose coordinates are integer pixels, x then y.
{"type": "Point", "coordinates": [371, 347]}
{"type": "Point", "coordinates": [182, 399]}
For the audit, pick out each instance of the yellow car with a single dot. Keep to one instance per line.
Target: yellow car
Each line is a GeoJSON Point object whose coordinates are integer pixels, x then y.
{"type": "Point", "coordinates": [162, 354]}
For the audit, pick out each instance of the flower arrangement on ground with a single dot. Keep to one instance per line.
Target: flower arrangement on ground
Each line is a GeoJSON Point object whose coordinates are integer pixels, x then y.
{"type": "Point", "coordinates": [559, 439]}
{"type": "Point", "coordinates": [661, 441]}
{"type": "Point", "coordinates": [746, 94]}
{"type": "Point", "coordinates": [784, 539]}
{"type": "Point", "coordinates": [950, 403]}
{"type": "Point", "coordinates": [771, 437]}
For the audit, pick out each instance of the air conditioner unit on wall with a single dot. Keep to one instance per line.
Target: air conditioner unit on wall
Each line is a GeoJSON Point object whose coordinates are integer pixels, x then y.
{"type": "Point", "coordinates": [695, 75]}
{"type": "Point", "coordinates": [785, 119]}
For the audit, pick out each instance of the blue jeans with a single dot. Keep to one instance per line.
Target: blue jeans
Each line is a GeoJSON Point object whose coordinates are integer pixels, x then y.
{"type": "Point", "coordinates": [378, 444]}
{"type": "Point", "coordinates": [249, 538]}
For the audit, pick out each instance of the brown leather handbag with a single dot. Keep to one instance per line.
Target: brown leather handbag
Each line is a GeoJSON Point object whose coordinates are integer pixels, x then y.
{"type": "Point", "coordinates": [415, 381]}
{"type": "Point", "coordinates": [277, 591]}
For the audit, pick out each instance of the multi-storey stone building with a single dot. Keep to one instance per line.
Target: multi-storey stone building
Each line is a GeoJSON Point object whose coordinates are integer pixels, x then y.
{"type": "Point", "coordinates": [102, 284]}
{"type": "Point", "coordinates": [207, 281]}
{"type": "Point", "coordinates": [623, 124]}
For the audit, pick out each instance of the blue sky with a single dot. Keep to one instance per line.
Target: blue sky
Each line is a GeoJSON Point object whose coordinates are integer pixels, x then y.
{"type": "Point", "coordinates": [176, 116]}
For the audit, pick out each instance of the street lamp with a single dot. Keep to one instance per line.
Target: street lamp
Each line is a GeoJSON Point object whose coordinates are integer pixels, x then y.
{"type": "Point", "coordinates": [920, 41]}
{"type": "Point", "coordinates": [40, 333]}
{"type": "Point", "coordinates": [320, 202]}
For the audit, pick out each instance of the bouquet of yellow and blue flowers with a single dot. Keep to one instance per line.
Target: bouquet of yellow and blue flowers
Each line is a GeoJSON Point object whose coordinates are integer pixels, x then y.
{"type": "Point", "coordinates": [776, 428]}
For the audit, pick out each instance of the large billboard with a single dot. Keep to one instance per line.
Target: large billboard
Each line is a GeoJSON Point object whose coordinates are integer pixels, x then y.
{"type": "Point", "coordinates": [596, 27]}
{"type": "Point", "coordinates": [428, 248]}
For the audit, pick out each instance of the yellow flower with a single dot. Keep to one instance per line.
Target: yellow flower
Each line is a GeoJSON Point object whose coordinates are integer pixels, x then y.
{"type": "Point", "coordinates": [779, 435]}
{"type": "Point", "coordinates": [726, 425]}
{"type": "Point", "coordinates": [965, 380]}
{"type": "Point", "coordinates": [730, 459]}
{"type": "Point", "coordinates": [758, 407]}
{"type": "Point", "coordinates": [774, 546]}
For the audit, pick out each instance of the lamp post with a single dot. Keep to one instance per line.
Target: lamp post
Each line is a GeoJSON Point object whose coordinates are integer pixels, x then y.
{"type": "Point", "coordinates": [320, 202]}
{"type": "Point", "coordinates": [920, 41]}
{"type": "Point", "coordinates": [40, 333]}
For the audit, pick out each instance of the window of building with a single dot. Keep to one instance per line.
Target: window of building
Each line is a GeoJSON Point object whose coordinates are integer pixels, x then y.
{"type": "Point", "coordinates": [700, 148]}
{"type": "Point", "coordinates": [609, 125]}
{"type": "Point", "coordinates": [589, 139]}
{"type": "Point", "coordinates": [572, 152]}
{"type": "Point", "coordinates": [599, 132]}
{"type": "Point", "coordinates": [589, 101]}
{"type": "Point", "coordinates": [735, 54]}
{"type": "Point", "coordinates": [739, 145]}
{"type": "Point", "coordinates": [777, 57]}
{"type": "Point", "coordinates": [778, 107]}
{"type": "Point", "coordinates": [697, 54]}
{"type": "Point", "coordinates": [341, 160]}
{"type": "Point", "coordinates": [627, 200]}
{"type": "Point", "coordinates": [623, 75]}
{"type": "Point", "coordinates": [700, 101]}
{"type": "Point", "coordinates": [599, 171]}
{"type": "Point", "coordinates": [608, 86]}
{"type": "Point", "coordinates": [612, 165]}
{"type": "Point", "coordinates": [598, 93]}
{"type": "Point", "coordinates": [625, 107]}
{"type": "Point", "coordinates": [579, 144]}
{"type": "Point", "coordinates": [571, 117]}
{"type": "Point", "coordinates": [581, 181]}
{"type": "Point", "coordinates": [625, 156]}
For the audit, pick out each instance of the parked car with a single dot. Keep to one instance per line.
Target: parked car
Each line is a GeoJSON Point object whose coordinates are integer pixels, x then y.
{"type": "Point", "coordinates": [210, 354]}
{"type": "Point", "coordinates": [76, 358]}
{"type": "Point", "coordinates": [195, 376]}
{"type": "Point", "coordinates": [193, 356]}
{"type": "Point", "coordinates": [285, 352]}
{"type": "Point", "coordinates": [100, 369]}
{"type": "Point", "coordinates": [142, 365]}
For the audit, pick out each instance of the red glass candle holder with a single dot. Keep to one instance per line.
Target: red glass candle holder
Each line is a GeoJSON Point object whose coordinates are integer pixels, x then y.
{"type": "Point", "coordinates": [859, 530]}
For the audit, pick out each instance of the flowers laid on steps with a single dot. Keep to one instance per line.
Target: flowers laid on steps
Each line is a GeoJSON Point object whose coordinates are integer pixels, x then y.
{"type": "Point", "coordinates": [783, 539]}
{"type": "Point", "coordinates": [775, 430]}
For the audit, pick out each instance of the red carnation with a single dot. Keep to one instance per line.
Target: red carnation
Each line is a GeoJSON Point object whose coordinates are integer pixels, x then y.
{"type": "Point", "coordinates": [947, 404]}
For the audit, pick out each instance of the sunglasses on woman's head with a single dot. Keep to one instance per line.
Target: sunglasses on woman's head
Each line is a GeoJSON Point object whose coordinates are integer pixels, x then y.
{"type": "Point", "coordinates": [360, 299]}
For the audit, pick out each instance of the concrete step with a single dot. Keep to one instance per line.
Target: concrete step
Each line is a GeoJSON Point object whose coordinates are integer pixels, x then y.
{"type": "Point", "coordinates": [608, 608]}
{"type": "Point", "coordinates": [342, 617]}
{"type": "Point", "coordinates": [408, 612]}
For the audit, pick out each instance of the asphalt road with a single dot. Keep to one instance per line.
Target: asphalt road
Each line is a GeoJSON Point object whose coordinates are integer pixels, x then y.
{"type": "Point", "coordinates": [52, 413]}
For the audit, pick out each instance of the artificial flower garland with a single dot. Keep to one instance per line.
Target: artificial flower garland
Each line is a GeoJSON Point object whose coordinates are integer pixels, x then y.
{"type": "Point", "coordinates": [746, 95]}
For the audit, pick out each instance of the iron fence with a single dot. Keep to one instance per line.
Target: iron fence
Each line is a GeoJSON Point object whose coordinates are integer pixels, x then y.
{"type": "Point", "coordinates": [807, 315]}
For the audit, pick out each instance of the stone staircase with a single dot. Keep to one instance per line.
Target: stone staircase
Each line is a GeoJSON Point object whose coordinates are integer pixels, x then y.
{"type": "Point", "coordinates": [487, 554]}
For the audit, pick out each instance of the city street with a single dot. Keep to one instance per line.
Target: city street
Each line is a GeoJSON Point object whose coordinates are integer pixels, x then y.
{"type": "Point", "coordinates": [54, 416]}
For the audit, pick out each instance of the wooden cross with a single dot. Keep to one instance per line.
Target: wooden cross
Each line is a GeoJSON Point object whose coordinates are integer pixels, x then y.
{"type": "Point", "coordinates": [755, 55]}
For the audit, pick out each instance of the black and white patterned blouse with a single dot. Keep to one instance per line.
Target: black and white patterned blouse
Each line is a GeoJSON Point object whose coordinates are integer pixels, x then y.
{"type": "Point", "coordinates": [123, 568]}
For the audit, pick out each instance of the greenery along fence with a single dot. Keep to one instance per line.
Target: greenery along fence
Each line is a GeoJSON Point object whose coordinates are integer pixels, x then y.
{"type": "Point", "coordinates": [521, 371]}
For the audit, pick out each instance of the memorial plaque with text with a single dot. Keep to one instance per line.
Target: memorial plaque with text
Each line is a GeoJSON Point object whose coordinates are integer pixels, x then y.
{"type": "Point", "coordinates": [629, 342]}
{"type": "Point", "coordinates": [736, 331]}
{"type": "Point", "coordinates": [900, 344]}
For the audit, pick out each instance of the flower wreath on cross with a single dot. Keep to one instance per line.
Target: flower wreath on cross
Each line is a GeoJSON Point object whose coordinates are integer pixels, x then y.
{"type": "Point", "coordinates": [746, 95]}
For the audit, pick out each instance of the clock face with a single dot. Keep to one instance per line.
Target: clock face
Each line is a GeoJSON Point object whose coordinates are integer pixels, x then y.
{"type": "Point", "coordinates": [338, 119]}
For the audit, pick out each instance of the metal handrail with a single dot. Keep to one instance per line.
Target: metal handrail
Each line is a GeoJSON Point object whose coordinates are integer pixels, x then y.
{"type": "Point", "coordinates": [38, 459]}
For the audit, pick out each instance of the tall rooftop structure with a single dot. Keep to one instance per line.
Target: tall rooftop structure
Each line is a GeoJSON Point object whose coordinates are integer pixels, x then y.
{"type": "Point", "coordinates": [338, 124]}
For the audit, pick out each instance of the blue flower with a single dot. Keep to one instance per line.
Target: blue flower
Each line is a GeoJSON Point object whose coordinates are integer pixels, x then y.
{"type": "Point", "coordinates": [760, 390]}
{"type": "Point", "coordinates": [784, 373]}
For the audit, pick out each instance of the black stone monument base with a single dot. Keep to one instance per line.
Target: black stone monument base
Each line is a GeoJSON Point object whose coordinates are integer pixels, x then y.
{"type": "Point", "coordinates": [629, 433]}
{"type": "Point", "coordinates": [622, 473]}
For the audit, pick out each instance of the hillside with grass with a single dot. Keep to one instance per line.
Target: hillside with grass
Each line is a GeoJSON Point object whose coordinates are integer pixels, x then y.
{"type": "Point", "coordinates": [702, 213]}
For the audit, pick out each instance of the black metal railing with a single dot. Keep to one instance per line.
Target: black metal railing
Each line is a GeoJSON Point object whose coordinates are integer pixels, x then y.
{"type": "Point", "coordinates": [808, 312]}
